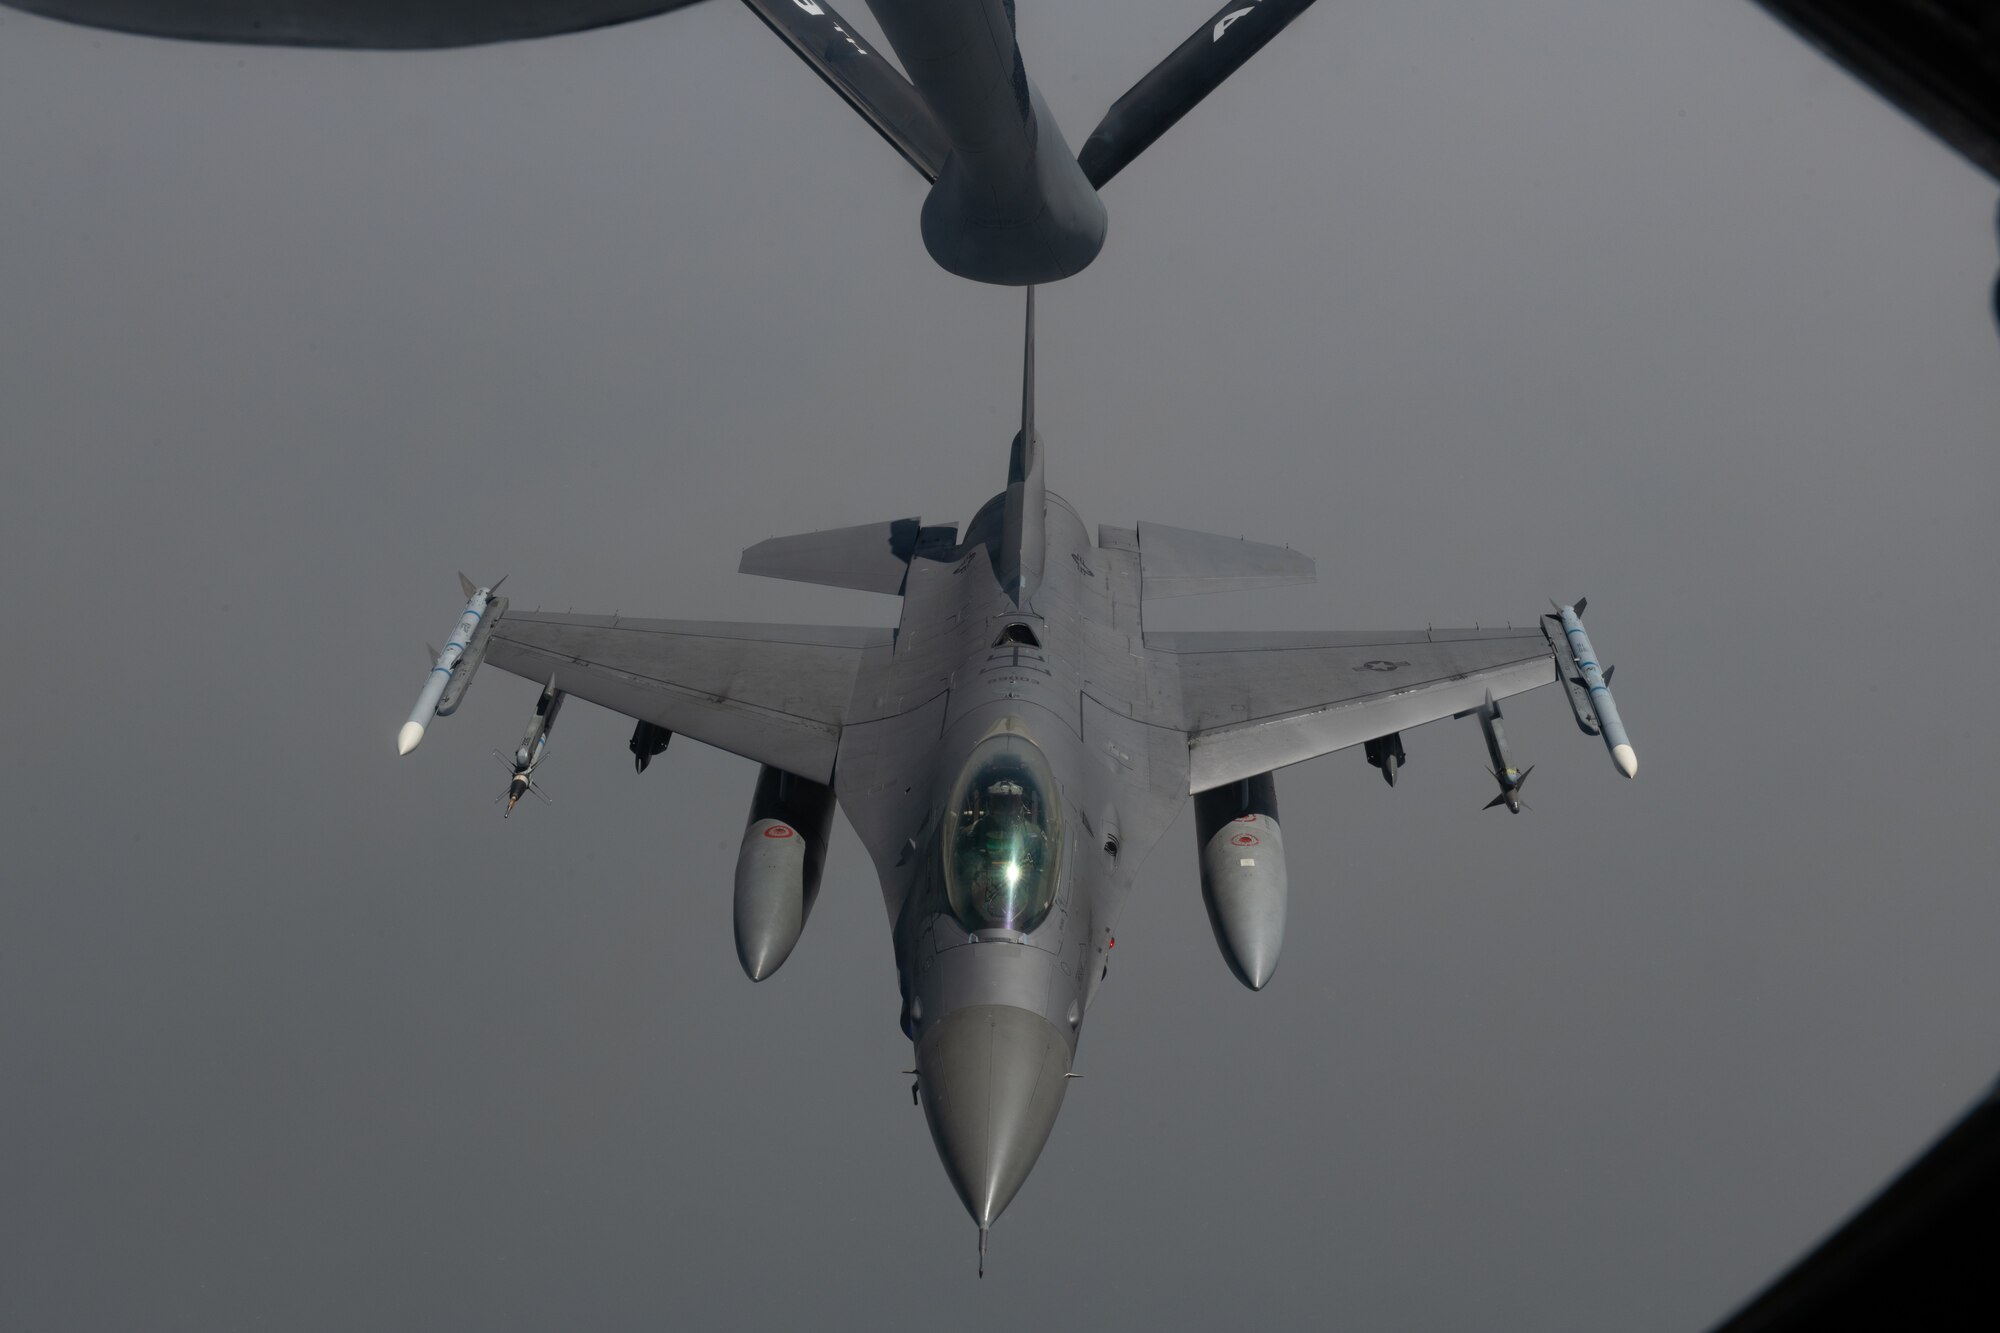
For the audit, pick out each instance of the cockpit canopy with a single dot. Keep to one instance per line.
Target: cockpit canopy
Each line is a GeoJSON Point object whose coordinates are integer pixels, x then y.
{"type": "Point", "coordinates": [1003, 837]}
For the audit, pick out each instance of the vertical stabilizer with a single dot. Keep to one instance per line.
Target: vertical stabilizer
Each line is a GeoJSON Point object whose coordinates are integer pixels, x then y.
{"type": "Point", "coordinates": [1023, 541]}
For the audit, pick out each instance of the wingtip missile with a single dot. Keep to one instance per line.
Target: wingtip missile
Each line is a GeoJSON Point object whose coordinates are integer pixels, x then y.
{"type": "Point", "coordinates": [470, 631]}
{"type": "Point", "coordinates": [1596, 683]}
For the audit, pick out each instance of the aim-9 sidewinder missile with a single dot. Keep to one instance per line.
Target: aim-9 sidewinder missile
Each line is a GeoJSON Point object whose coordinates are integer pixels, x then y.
{"type": "Point", "coordinates": [528, 754]}
{"type": "Point", "coordinates": [1598, 685]}
{"type": "Point", "coordinates": [469, 633]}
{"type": "Point", "coordinates": [1504, 772]}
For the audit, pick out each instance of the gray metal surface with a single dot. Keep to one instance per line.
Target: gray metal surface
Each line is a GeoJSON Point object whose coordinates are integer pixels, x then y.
{"type": "Point", "coordinates": [773, 693]}
{"type": "Point", "coordinates": [992, 1079]}
{"type": "Point", "coordinates": [1180, 562]}
{"type": "Point", "coordinates": [1244, 884]}
{"type": "Point", "coordinates": [871, 557]}
{"type": "Point", "coordinates": [778, 868]}
{"type": "Point", "coordinates": [1255, 702]}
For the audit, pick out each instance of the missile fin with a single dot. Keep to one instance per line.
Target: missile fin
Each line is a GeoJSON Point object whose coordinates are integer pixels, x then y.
{"type": "Point", "coordinates": [466, 585]}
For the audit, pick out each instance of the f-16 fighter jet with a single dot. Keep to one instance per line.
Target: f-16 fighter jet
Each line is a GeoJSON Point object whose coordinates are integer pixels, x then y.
{"type": "Point", "coordinates": [1009, 203]}
{"type": "Point", "coordinates": [1011, 752]}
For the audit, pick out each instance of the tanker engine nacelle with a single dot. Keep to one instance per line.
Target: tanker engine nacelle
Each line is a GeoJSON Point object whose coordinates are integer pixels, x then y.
{"type": "Point", "coordinates": [778, 868]}
{"type": "Point", "coordinates": [1243, 874]}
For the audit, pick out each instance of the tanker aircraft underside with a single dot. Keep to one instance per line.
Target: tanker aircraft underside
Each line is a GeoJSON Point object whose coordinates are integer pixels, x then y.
{"type": "Point", "coordinates": [1010, 753]}
{"type": "Point", "coordinates": [1009, 202]}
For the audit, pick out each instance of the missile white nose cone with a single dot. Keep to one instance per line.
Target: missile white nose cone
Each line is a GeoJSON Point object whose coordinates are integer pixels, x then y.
{"type": "Point", "coordinates": [407, 738]}
{"type": "Point", "coordinates": [1626, 759]}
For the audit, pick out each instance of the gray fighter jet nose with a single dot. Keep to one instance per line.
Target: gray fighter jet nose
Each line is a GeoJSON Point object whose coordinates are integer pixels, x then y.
{"type": "Point", "coordinates": [992, 1080]}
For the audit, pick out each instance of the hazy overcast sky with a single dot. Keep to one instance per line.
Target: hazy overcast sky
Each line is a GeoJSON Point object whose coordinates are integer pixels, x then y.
{"type": "Point", "coordinates": [1480, 305]}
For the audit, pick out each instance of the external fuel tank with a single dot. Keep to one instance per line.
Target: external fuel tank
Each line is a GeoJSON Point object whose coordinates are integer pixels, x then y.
{"type": "Point", "coordinates": [778, 867]}
{"type": "Point", "coordinates": [1243, 874]}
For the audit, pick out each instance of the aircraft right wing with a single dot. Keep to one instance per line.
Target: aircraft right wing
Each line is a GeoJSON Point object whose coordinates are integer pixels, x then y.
{"type": "Point", "coordinates": [777, 694]}
{"type": "Point", "coordinates": [1258, 701]}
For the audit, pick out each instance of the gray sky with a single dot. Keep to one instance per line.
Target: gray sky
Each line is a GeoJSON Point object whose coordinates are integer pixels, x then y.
{"type": "Point", "coordinates": [1478, 304]}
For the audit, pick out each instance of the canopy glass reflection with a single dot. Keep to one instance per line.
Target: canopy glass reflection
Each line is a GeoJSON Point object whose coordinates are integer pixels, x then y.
{"type": "Point", "coordinates": [1003, 842]}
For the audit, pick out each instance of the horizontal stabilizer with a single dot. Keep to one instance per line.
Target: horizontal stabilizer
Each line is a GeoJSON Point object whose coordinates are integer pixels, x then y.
{"type": "Point", "coordinates": [1178, 562]}
{"type": "Point", "coordinates": [864, 79]}
{"type": "Point", "coordinates": [1173, 87]}
{"type": "Point", "coordinates": [874, 557]}
{"type": "Point", "coordinates": [374, 25]}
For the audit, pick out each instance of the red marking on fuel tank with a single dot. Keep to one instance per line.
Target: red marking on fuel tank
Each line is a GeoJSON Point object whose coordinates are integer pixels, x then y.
{"type": "Point", "coordinates": [1246, 819]}
{"type": "Point", "coordinates": [1246, 840]}
{"type": "Point", "coordinates": [777, 831]}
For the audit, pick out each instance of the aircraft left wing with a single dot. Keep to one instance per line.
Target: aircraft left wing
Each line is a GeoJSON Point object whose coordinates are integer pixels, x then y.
{"type": "Point", "coordinates": [777, 694]}
{"type": "Point", "coordinates": [1258, 701]}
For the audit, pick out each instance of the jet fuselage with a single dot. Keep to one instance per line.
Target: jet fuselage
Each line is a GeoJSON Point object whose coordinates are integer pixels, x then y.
{"type": "Point", "coordinates": [994, 1009]}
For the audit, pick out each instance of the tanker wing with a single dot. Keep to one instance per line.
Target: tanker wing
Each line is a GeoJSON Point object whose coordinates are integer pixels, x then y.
{"type": "Point", "coordinates": [374, 25]}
